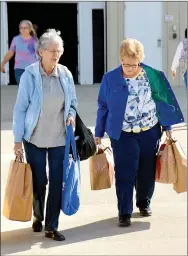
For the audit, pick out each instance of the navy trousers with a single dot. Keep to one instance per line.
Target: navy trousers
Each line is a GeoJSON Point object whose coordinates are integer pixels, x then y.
{"type": "Point", "coordinates": [186, 79]}
{"type": "Point", "coordinates": [37, 157]}
{"type": "Point", "coordinates": [135, 162]}
{"type": "Point", "coordinates": [18, 73]}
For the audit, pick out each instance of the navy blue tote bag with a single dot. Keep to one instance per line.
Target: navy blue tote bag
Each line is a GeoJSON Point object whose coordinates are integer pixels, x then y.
{"type": "Point", "coordinates": [71, 176]}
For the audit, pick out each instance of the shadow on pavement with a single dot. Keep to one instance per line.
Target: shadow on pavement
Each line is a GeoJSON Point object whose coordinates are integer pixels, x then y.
{"type": "Point", "coordinates": [24, 239]}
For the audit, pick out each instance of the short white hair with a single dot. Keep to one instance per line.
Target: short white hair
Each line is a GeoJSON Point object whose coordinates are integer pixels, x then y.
{"type": "Point", "coordinates": [50, 36]}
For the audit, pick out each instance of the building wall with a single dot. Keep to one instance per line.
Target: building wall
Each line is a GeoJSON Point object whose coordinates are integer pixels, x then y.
{"type": "Point", "coordinates": [130, 19]}
{"type": "Point", "coordinates": [146, 21]}
{"type": "Point", "coordinates": [177, 24]}
{"type": "Point", "coordinates": [124, 19]}
{"type": "Point", "coordinates": [115, 32]}
{"type": "Point", "coordinates": [85, 47]}
{"type": "Point", "coordinates": [143, 21]}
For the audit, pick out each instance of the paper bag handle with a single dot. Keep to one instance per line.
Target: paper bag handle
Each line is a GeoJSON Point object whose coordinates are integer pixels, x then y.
{"type": "Point", "coordinates": [105, 148]}
{"type": "Point", "coordinates": [19, 158]}
{"type": "Point", "coordinates": [109, 149]}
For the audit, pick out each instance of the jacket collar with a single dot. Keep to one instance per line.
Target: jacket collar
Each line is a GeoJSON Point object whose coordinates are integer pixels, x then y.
{"type": "Point", "coordinates": [34, 69]}
{"type": "Point", "coordinates": [121, 81]}
{"type": "Point", "coordinates": [43, 73]}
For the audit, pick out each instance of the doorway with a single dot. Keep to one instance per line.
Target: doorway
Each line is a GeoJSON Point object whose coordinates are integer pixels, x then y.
{"type": "Point", "coordinates": [61, 16]}
{"type": "Point", "coordinates": [98, 44]}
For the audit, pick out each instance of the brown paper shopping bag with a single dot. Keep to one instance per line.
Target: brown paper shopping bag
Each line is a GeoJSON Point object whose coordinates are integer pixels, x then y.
{"type": "Point", "coordinates": [18, 198]}
{"type": "Point", "coordinates": [181, 160]}
{"type": "Point", "coordinates": [166, 167]}
{"type": "Point", "coordinates": [101, 168]}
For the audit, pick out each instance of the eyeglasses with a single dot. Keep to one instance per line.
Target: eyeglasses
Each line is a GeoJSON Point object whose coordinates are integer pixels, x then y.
{"type": "Point", "coordinates": [55, 51]}
{"type": "Point", "coordinates": [134, 66]}
{"type": "Point", "coordinates": [24, 27]}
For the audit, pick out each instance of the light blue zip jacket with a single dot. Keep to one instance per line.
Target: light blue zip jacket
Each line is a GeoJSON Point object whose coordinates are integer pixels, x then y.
{"type": "Point", "coordinates": [29, 100]}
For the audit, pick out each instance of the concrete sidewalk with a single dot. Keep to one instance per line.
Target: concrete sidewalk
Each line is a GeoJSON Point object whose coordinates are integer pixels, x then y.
{"type": "Point", "coordinates": [87, 97]}
{"type": "Point", "coordinates": [93, 230]}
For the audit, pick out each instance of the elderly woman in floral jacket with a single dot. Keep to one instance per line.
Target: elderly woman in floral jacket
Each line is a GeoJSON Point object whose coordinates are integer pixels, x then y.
{"type": "Point", "coordinates": [135, 104]}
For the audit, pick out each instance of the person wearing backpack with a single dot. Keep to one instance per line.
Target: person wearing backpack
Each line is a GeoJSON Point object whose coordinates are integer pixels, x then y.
{"type": "Point", "coordinates": [180, 59]}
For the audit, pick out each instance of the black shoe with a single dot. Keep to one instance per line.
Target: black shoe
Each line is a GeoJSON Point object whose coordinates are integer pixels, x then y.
{"type": "Point", "coordinates": [55, 235]}
{"type": "Point", "coordinates": [124, 220]}
{"type": "Point", "coordinates": [145, 212]}
{"type": "Point", "coordinates": [37, 226]}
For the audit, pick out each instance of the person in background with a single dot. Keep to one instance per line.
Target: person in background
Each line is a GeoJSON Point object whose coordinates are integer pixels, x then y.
{"type": "Point", "coordinates": [23, 46]}
{"type": "Point", "coordinates": [135, 104]}
{"type": "Point", "coordinates": [180, 59]}
{"type": "Point", "coordinates": [46, 103]}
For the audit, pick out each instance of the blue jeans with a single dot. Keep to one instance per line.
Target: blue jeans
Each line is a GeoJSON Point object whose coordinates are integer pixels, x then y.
{"type": "Point", "coordinates": [36, 157]}
{"type": "Point", "coordinates": [186, 79]}
{"type": "Point", "coordinates": [135, 163]}
{"type": "Point", "coordinates": [18, 72]}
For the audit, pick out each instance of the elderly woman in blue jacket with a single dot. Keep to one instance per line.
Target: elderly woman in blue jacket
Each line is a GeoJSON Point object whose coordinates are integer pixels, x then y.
{"type": "Point", "coordinates": [135, 104]}
{"type": "Point", "coordinates": [45, 105]}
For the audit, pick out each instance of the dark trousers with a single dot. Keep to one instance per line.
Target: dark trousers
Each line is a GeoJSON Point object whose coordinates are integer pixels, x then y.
{"type": "Point", "coordinates": [186, 79]}
{"type": "Point", "coordinates": [37, 157]}
{"type": "Point", "coordinates": [135, 162]}
{"type": "Point", "coordinates": [18, 73]}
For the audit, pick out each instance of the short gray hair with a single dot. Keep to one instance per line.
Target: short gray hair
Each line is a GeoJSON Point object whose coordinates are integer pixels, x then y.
{"type": "Point", "coordinates": [50, 36]}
